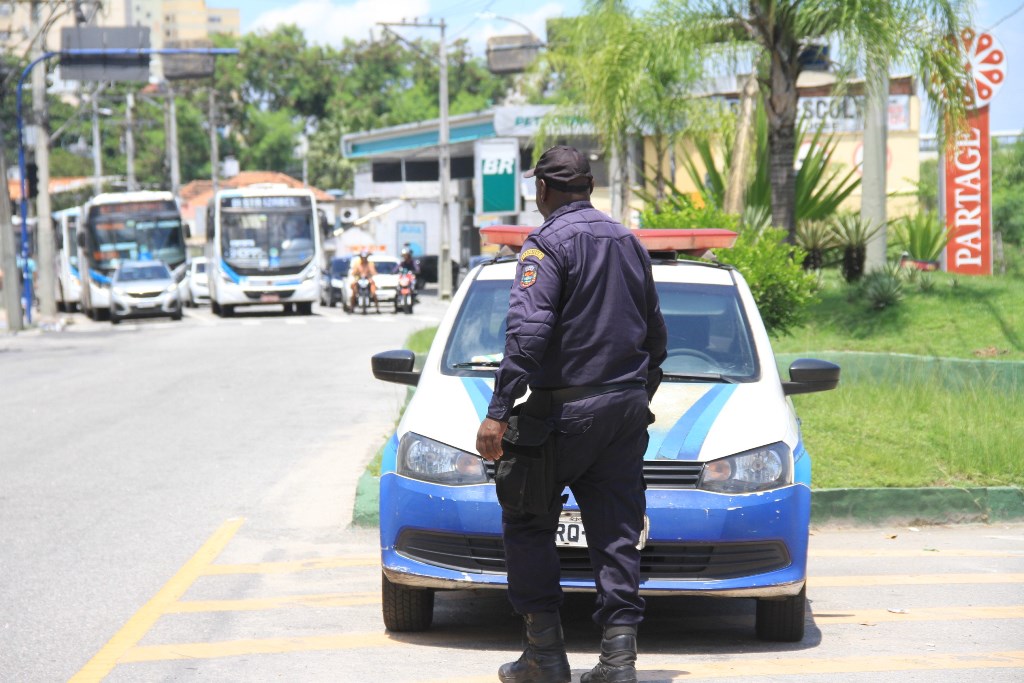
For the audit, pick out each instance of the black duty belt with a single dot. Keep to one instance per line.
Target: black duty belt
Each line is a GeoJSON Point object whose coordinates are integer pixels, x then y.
{"type": "Point", "coordinates": [569, 394]}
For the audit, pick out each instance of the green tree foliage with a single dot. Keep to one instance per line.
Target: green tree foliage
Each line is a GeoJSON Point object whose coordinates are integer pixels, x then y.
{"type": "Point", "coordinates": [1008, 192]}
{"type": "Point", "coordinates": [775, 33]}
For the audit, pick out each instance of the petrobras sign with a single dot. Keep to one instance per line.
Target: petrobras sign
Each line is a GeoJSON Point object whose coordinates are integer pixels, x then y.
{"type": "Point", "coordinates": [525, 121]}
{"type": "Point", "coordinates": [496, 181]}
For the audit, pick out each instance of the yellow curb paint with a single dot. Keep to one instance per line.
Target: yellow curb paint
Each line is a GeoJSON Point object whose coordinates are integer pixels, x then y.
{"type": "Point", "coordinates": [282, 602]}
{"type": "Point", "coordinates": [265, 646]}
{"type": "Point", "coordinates": [911, 580]}
{"type": "Point", "coordinates": [293, 566]}
{"type": "Point", "coordinates": [918, 614]}
{"type": "Point", "coordinates": [104, 661]}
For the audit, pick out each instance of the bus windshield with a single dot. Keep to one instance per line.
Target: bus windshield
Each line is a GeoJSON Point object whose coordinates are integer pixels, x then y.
{"type": "Point", "coordinates": [266, 234]}
{"type": "Point", "coordinates": [135, 230]}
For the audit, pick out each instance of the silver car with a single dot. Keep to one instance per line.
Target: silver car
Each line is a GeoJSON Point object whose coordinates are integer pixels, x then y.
{"type": "Point", "coordinates": [143, 289]}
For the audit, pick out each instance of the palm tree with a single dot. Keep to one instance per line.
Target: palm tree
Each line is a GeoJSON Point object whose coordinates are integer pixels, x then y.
{"type": "Point", "coordinates": [632, 77]}
{"type": "Point", "coordinates": [778, 33]}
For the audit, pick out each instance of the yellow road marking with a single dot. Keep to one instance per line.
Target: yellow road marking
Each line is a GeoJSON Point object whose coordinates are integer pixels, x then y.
{"type": "Point", "coordinates": [107, 658]}
{"type": "Point", "coordinates": [293, 566]}
{"type": "Point", "coordinates": [919, 614]}
{"type": "Point", "coordinates": [282, 602]}
{"type": "Point", "coordinates": [738, 667]}
{"type": "Point", "coordinates": [921, 552]}
{"type": "Point", "coordinates": [911, 579]}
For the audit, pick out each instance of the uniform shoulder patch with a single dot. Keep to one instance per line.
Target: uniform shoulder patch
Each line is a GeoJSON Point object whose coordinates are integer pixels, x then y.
{"type": "Point", "coordinates": [528, 277]}
{"type": "Point", "coordinates": [532, 252]}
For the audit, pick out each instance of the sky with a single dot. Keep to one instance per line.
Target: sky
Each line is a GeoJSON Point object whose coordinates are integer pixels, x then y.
{"type": "Point", "coordinates": [329, 21]}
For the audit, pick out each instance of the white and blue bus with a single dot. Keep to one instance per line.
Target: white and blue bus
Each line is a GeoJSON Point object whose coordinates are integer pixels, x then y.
{"type": "Point", "coordinates": [68, 283]}
{"type": "Point", "coordinates": [116, 226]}
{"type": "Point", "coordinates": [263, 247]}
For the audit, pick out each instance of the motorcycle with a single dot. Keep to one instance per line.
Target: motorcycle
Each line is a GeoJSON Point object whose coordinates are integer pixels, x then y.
{"type": "Point", "coordinates": [363, 294]}
{"type": "Point", "coordinates": [405, 295]}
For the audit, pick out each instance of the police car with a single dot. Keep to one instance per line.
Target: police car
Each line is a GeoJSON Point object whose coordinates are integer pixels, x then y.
{"type": "Point", "coordinates": [728, 476]}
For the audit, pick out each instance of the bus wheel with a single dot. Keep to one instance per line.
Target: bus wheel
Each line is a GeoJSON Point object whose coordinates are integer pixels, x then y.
{"type": "Point", "coordinates": [215, 307]}
{"type": "Point", "coordinates": [305, 308]}
{"type": "Point", "coordinates": [227, 310]}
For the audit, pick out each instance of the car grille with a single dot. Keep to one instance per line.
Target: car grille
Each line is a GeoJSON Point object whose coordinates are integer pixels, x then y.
{"type": "Point", "coordinates": [283, 293]}
{"type": "Point", "coordinates": [144, 295]}
{"type": "Point", "coordinates": [659, 474]}
{"type": "Point", "coordinates": [657, 560]}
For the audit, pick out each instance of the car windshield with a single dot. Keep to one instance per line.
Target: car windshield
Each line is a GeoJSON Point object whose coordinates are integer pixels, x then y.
{"type": "Point", "coordinates": [708, 335]}
{"type": "Point", "coordinates": [386, 267]}
{"type": "Point", "coordinates": [157, 271]}
{"type": "Point", "coordinates": [200, 267]}
{"type": "Point", "coordinates": [339, 267]}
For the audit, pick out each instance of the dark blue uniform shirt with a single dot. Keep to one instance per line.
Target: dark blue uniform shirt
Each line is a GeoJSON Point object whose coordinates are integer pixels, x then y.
{"type": "Point", "coordinates": [583, 310]}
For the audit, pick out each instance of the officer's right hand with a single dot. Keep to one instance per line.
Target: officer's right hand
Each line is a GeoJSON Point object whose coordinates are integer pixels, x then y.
{"type": "Point", "coordinates": [488, 439]}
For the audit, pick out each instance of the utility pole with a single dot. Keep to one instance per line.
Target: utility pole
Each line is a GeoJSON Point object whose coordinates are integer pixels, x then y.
{"type": "Point", "coordinates": [444, 260]}
{"type": "Point", "coordinates": [214, 151]}
{"type": "Point", "coordinates": [129, 140]}
{"type": "Point", "coordinates": [45, 248]}
{"type": "Point", "coordinates": [171, 119]}
{"type": "Point", "coordinates": [97, 151]}
{"type": "Point", "coordinates": [8, 263]}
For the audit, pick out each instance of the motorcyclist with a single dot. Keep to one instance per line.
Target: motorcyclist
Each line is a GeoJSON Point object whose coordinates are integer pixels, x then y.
{"type": "Point", "coordinates": [364, 268]}
{"type": "Point", "coordinates": [410, 264]}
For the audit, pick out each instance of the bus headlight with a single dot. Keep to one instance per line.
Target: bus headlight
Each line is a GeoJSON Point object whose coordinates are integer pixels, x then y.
{"type": "Point", "coordinates": [428, 460]}
{"type": "Point", "coordinates": [310, 273]}
{"type": "Point", "coordinates": [761, 469]}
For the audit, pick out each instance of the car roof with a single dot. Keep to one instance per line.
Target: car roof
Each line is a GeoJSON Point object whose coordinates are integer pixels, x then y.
{"type": "Point", "coordinates": [694, 272]}
{"type": "Point", "coordinates": [140, 263]}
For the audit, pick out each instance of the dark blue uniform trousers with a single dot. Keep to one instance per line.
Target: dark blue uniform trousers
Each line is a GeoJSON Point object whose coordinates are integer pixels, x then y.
{"type": "Point", "coordinates": [600, 443]}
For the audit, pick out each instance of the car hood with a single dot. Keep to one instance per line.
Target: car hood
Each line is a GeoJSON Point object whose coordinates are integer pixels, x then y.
{"type": "Point", "coordinates": [694, 421]}
{"type": "Point", "coordinates": [144, 286]}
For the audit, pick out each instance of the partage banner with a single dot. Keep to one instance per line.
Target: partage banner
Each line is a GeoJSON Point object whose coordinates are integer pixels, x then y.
{"type": "Point", "coordinates": [969, 198]}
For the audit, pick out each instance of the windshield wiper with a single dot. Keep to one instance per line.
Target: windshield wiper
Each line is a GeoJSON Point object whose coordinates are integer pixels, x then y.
{"type": "Point", "coordinates": [699, 377]}
{"type": "Point", "coordinates": [478, 364]}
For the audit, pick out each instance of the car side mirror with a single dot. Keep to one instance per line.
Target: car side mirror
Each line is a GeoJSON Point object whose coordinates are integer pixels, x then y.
{"type": "Point", "coordinates": [809, 375]}
{"type": "Point", "coordinates": [81, 240]}
{"type": "Point", "coordinates": [395, 366]}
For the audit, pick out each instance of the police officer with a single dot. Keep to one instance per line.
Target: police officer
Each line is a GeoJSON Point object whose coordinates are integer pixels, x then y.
{"type": "Point", "coordinates": [586, 334]}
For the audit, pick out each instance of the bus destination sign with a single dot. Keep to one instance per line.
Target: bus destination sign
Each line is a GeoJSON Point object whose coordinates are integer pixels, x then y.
{"type": "Point", "coordinates": [281, 202]}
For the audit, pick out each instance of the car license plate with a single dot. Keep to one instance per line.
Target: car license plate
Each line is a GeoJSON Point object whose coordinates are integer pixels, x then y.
{"type": "Point", "coordinates": [269, 298]}
{"type": "Point", "coordinates": [571, 534]}
{"type": "Point", "coordinates": [146, 304]}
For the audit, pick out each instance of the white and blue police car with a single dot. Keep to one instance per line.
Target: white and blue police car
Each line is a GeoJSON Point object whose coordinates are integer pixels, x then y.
{"type": "Point", "coordinates": [728, 476]}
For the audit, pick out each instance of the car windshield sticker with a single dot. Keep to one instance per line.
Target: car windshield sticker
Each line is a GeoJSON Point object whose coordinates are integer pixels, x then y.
{"type": "Point", "coordinates": [532, 252]}
{"type": "Point", "coordinates": [529, 276]}
{"type": "Point", "coordinates": [686, 438]}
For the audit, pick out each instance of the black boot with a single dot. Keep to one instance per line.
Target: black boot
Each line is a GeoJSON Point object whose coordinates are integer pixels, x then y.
{"type": "Point", "coordinates": [544, 660]}
{"type": "Point", "coordinates": [617, 663]}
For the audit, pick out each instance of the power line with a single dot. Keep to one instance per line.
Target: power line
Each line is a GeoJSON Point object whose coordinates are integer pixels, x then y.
{"type": "Point", "coordinates": [1019, 8]}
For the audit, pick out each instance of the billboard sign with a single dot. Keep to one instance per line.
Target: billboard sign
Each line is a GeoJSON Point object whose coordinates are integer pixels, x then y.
{"type": "Point", "coordinates": [104, 67]}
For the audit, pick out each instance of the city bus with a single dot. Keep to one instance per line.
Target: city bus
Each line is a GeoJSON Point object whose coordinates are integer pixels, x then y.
{"type": "Point", "coordinates": [264, 248]}
{"type": "Point", "coordinates": [68, 285]}
{"type": "Point", "coordinates": [116, 226]}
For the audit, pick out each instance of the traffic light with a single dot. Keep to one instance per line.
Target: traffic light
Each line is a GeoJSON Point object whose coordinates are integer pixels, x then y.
{"type": "Point", "coordinates": [31, 180]}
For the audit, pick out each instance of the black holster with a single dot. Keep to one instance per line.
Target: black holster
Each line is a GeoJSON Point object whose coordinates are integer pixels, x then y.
{"type": "Point", "coordinates": [525, 478]}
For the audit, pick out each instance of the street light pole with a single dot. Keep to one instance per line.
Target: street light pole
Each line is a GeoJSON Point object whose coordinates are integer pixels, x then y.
{"type": "Point", "coordinates": [45, 247]}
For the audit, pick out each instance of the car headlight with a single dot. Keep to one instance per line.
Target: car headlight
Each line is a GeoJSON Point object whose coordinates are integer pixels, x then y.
{"type": "Point", "coordinates": [171, 289]}
{"type": "Point", "coordinates": [119, 292]}
{"type": "Point", "coordinates": [428, 460]}
{"type": "Point", "coordinates": [761, 469]}
{"type": "Point", "coordinates": [337, 283]}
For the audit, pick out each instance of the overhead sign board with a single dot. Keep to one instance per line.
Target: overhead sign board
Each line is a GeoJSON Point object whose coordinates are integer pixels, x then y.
{"type": "Point", "coordinates": [181, 66]}
{"type": "Point", "coordinates": [104, 67]}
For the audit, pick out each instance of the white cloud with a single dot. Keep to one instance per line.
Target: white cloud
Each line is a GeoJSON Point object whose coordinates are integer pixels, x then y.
{"type": "Point", "coordinates": [327, 23]}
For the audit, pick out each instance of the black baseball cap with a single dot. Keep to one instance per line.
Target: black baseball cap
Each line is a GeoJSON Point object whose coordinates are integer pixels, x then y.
{"type": "Point", "coordinates": [560, 166]}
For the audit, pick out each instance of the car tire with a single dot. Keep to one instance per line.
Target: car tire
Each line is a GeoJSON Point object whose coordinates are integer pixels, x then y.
{"type": "Point", "coordinates": [215, 307]}
{"type": "Point", "coordinates": [304, 308]}
{"type": "Point", "coordinates": [114, 318]}
{"type": "Point", "coordinates": [782, 621]}
{"type": "Point", "coordinates": [227, 310]}
{"type": "Point", "coordinates": [406, 609]}
{"type": "Point", "coordinates": [176, 316]}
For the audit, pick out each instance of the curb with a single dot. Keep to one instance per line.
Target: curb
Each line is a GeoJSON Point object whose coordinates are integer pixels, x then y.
{"type": "Point", "coordinates": [872, 507]}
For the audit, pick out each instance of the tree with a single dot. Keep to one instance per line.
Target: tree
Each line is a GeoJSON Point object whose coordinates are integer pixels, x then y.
{"type": "Point", "coordinates": [778, 33]}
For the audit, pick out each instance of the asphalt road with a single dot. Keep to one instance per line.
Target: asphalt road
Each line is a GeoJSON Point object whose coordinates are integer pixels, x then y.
{"type": "Point", "coordinates": [175, 505]}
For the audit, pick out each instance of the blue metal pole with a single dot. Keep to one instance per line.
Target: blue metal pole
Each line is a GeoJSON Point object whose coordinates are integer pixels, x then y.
{"type": "Point", "coordinates": [26, 275]}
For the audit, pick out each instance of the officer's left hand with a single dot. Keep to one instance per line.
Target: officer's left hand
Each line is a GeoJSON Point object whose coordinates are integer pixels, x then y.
{"type": "Point", "coordinates": [488, 438]}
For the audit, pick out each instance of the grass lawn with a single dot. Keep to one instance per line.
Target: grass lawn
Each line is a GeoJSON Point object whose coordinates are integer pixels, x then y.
{"type": "Point", "coordinates": [951, 413]}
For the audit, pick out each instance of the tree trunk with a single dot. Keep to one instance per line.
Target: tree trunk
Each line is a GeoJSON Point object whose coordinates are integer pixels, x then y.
{"type": "Point", "coordinates": [742, 150]}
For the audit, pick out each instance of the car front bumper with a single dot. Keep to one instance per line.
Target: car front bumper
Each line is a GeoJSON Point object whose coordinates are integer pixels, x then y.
{"type": "Point", "coordinates": [751, 545]}
{"type": "Point", "coordinates": [124, 306]}
{"type": "Point", "coordinates": [304, 291]}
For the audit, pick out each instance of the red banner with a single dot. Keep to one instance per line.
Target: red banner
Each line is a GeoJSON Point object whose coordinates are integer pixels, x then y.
{"type": "Point", "coordinates": [969, 199]}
